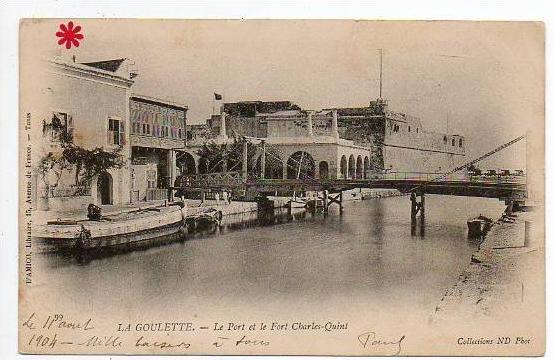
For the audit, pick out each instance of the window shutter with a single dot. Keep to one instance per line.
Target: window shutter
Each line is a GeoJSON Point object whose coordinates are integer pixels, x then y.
{"type": "Point", "coordinates": [122, 133]}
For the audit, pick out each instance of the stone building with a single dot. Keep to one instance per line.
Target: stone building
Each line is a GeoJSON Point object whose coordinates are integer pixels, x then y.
{"type": "Point", "coordinates": [295, 144]}
{"type": "Point", "coordinates": [397, 142]}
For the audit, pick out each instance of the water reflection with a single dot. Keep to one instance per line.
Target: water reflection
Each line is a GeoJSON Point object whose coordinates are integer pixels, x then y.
{"type": "Point", "coordinates": [366, 257]}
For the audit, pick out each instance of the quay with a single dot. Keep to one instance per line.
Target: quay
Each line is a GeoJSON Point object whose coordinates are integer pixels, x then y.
{"type": "Point", "coordinates": [503, 278]}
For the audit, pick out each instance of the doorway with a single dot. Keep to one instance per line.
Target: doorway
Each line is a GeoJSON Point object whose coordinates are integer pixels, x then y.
{"type": "Point", "coordinates": [105, 189]}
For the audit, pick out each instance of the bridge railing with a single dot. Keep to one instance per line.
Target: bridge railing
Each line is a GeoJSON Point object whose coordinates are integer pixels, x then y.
{"type": "Point", "coordinates": [230, 178]}
{"type": "Point", "coordinates": [235, 178]}
{"type": "Point", "coordinates": [421, 176]}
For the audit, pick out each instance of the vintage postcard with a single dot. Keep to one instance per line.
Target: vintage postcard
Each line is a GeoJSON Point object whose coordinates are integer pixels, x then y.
{"type": "Point", "coordinates": [275, 187]}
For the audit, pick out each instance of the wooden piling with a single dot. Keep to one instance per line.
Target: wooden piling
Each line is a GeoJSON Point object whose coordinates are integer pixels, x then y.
{"type": "Point", "coordinates": [422, 215]}
{"type": "Point", "coordinates": [413, 199]}
{"type": "Point", "coordinates": [325, 202]}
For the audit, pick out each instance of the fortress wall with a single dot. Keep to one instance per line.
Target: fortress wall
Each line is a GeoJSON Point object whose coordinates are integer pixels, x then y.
{"type": "Point", "coordinates": [410, 160]}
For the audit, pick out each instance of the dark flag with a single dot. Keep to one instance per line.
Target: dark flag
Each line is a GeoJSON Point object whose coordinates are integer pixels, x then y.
{"type": "Point", "coordinates": [218, 96]}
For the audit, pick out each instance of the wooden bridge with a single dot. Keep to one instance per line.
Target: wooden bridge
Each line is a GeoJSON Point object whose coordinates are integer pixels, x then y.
{"type": "Point", "coordinates": [500, 187]}
{"type": "Point", "coordinates": [511, 189]}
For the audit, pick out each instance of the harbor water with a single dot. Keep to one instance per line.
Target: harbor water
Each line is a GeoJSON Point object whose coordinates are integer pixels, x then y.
{"type": "Point", "coordinates": [364, 259]}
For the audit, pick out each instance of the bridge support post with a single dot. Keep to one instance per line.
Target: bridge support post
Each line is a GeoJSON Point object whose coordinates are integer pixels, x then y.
{"type": "Point", "coordinates": [413, 200]}
{"type": "Point", "coordinates": [325, 202]}
{"type": "Point", "coordinates": [422, 216]}
{"type": "Point", "coordinates": [329, 199]}
{"type": "Point", "coordinates": [417, 207]}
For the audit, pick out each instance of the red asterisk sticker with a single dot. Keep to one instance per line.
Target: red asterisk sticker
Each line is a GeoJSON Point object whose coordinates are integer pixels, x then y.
{"type": "Point", "coordinates": [69, 35]}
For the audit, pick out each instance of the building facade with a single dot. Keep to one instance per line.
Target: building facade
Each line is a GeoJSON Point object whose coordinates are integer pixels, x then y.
{"type": "Point", "coordinates": [90, 107]}
{"type": "Point", "coordinates": [296, 145]}
{"type": "Point", "coordinates": [86, 105]}
{"type": "Point", "coordinates": [157, 143]}
{"type": "Point", "coordinates": [398, 142]}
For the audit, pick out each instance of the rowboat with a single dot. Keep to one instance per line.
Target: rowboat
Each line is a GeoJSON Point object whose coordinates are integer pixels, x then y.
{"type": "Point", "coordinates": [478, 226]}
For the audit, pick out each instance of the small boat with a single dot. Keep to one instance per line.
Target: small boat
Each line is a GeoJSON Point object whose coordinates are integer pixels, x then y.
{"type": "Point", "coordinates": [478, 226]}
{"type": "Point", "coordinates": [206, 219]}
{"type": "Point", "coordinates": [297, 203]}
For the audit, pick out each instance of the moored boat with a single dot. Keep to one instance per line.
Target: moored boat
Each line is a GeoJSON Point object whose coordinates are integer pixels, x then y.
{"type": "Point", "coordinates": [478, 226]}
{"type": "Point", "coordinates": [123, 230]}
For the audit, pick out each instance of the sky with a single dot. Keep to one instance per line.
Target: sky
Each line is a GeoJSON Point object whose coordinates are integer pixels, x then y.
{"type": "Point", "coordinates": [486, 78]}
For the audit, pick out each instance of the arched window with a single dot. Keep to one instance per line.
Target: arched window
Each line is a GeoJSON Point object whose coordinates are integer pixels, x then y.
{"type": "Point", "coordinates": [453, 142]}
{"type": "Point", "coordinates": [300, 165]}
{"type": "Point", "coordinates": [343, 167]}
{"type": "Point", "coordinates": [359, 167]}
{"type": "Point", "coordinates": [409, 129]}
{"type": "Point", "coordinates": [351, 167]}
{"type": "Point", "coordinates": [445, 139]}
{"type": "Point", "coordinates": [460, 143]}
{"type": "Point", "coordinates": [323, 170]}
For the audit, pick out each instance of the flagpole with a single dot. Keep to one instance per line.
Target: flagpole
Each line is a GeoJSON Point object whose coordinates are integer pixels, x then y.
{"type": "Point", "coordinates": [213, 105]}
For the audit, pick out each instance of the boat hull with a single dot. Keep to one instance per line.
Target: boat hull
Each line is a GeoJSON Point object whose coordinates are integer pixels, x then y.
{"type": "Point", "coordinates": [138, 239]}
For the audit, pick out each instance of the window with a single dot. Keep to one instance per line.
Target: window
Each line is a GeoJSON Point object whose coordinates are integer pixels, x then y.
{"type": "Point", "coordinates": [151, 179]}
{"type": "Point", "coordinates": [116, 132]}
{"type": "Point", "coordinates": [445, 140]}
{"type": "Point", "coordinates": [409, 128]}
{"type": "Point", "coordinates": [453, 142]}
{"type": "Point", "coordinates": [60, 128]}
{"type": "Point", "coordinates": [180, 133]}
{"type": "Point", "coordinates": [416, 130]}
{"type": "Point", "coordinates": [460, 143]}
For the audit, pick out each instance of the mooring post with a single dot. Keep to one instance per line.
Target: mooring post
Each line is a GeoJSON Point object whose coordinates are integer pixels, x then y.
{"type": "Point", "coordinates": [170, 196]}
{"type": "Point", "coordinates": [340, 202]}
{"type": "Point", "coordinates": [510, 208]}
{"type": "Point", "coordinates": [289, 209]}
{"type": "Point", "coordinates": [527, 238]}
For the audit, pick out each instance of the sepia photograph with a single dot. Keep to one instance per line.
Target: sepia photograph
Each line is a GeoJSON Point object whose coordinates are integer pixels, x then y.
{"type": "Point", "coordinates": [281, 187]}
